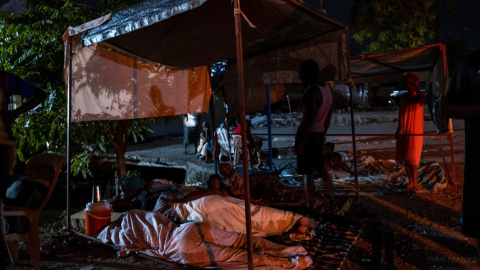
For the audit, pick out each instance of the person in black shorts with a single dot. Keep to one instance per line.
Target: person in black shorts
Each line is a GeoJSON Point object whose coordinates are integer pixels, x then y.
{"type": "Point", "coordinates": [310, 137]}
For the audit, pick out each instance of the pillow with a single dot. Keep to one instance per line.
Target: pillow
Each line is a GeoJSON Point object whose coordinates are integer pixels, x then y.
{"type": "Point", "coordinates": [27, 191]}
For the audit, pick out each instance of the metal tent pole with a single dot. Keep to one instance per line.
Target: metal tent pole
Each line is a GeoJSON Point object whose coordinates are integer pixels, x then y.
{"type": "Point", "coordinates": [269, 105]}
{"type": "Point", "coordinates": [69, 119]}
{"type": "Point", "coordinates": [241, 100]}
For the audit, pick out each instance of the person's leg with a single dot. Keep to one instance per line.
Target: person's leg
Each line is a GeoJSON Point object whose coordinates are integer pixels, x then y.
{"type": "Point", "coordinates": [329, 190]}
{"type": "Point", "coordinates": [410, 177]}
{"type": "Point", "coordinates": [412, 173]}
{"type": "Point", "coordinates": [309, 187]}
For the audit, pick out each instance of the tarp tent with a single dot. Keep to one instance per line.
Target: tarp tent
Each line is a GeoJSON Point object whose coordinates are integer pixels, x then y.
{"type": "Point", "coordinates": [429, 62]}
{"type": "Point", "coordinates": [118, 59]}
{"type": "Point", "coordinates": [162, 49]}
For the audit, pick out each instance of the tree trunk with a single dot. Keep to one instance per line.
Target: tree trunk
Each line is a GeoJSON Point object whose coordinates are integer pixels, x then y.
{"type": "Point", "coordinates": [120, 143]}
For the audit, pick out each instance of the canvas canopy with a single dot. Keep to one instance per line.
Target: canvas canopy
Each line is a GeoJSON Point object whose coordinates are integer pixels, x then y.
{"type": "Point", "coordinates": [162, 49]}
{"type": "Point", "coordinates": [429, 62]}
{"type": "Point", "coordinates": [127, 65]}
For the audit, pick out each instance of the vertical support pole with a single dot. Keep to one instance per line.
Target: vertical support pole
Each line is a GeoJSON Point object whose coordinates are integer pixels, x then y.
{"type": "Point", "coordinates": [269, 105]}
{"type": "Point", "coordinates": [243, 122]}
{"type": "Point", "coordinates": [69, 120]}
{"type": "Point", "coordinates": [214, 132]}
{"type": "Point", "coordinates": [353, 141]}
{"type": "Point", "coordinates": [454, 178]}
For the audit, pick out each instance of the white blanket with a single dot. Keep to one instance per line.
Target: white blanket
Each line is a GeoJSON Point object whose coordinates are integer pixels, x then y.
{"type": "Point", "coordinates": [228, 213]}
{"type": "Point", "coordinates": [197, 244]}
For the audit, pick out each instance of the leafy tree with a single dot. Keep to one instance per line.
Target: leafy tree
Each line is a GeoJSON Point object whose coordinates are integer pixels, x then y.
{"type": "Point", "coordinates": [31, 47]}
{"type": "Point", "coordinates": [389, 25]}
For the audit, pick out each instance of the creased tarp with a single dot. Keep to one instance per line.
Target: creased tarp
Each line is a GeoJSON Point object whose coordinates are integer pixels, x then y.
{"type": "Point", "coordinates": [192, 33]}
{"type": "Point", "coordinates": [391, 66]}
{"type": "Point", "coordinates": [280, 66]}
{"type": "Point", "coordinates": [108, 84]}
{"type": "Point", "coordinates": [429, 62]}
{"type": "Point", "coordinates": [183, 34]}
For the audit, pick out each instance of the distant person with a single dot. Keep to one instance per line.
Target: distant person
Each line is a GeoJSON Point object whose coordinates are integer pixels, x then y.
{"type": "Point", "coordinates": [11, 85]}
{"type": "Point", "coordinates": [190, 131]}
{"type": "Point", "coordinates": [328, 149]}
{"type": "Point", "coordinates": [316, 106]}
{"type": "Point", "coordinates": [252, 144]}
{"type": "Point", "coordinates": [410, 121]}
{"type": "Point", "coordinates": [334, 162]}
{"type": "Point", "coordinates": [205, 145]}
{"type": "Point", "coordinates": [463, 101]}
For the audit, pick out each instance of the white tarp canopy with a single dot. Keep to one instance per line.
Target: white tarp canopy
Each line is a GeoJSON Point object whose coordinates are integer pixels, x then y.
{"type": "Point", "coordinates": [127, 64]}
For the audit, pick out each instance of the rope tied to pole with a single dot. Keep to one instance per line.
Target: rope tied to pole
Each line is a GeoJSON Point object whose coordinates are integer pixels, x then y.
{"type": "Point", "coordinates": [239, 11]}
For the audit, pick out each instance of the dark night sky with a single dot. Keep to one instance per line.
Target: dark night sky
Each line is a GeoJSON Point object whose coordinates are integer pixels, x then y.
{"type": "Point", "coordinates": [464, 23]}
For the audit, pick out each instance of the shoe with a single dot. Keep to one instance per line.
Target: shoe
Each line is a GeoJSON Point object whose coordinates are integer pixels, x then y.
{"type": "Point", "coordinates": [201, 157]}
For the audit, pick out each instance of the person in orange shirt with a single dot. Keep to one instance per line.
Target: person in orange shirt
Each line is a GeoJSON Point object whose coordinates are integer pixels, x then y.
{"type": "Point", "coordinates": [410, 121]}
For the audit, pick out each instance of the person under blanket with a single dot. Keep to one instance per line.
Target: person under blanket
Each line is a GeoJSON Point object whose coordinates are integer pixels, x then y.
{"type": "Point", "coordinates": [267, 189]}
{"type": "Point", "coordinates": [214, 207]}
{"type": "Point", "coordinates": [197, 244]}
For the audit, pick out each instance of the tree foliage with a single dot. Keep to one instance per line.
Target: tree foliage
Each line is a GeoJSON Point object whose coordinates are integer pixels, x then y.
{"type": "Point", "coordinates": [389, 25]}
{"type": "Point", "coordinates": [32, 48]}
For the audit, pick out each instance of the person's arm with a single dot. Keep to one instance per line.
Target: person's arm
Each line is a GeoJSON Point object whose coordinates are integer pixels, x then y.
{"type": "Point", "coordinates": [38, 97]}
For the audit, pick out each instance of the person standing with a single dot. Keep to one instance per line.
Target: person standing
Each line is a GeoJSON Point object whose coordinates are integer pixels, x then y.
{"type": "Point", "coordinates": [463, 101]}
{"type": "Point", "coordinates": [316, 106]}
{"type": "Point", "coordinates": [410, 121]}
{"type": "Point", "coordinates": [190, 133]}
{"type": "Point", "coordinates": [13, 85]}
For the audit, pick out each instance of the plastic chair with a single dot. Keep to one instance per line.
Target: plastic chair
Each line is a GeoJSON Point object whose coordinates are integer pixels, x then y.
{"type": "Point", "coordinates": [48, 167]}
{"type": "Point", "coordinates": [226, 145]}
{"type": "Point", "coordinates": [237, 147]}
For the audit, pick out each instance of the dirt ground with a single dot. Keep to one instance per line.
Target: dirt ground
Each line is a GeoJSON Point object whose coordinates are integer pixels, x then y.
{"type": "Point", "coordinates": [400, 230]}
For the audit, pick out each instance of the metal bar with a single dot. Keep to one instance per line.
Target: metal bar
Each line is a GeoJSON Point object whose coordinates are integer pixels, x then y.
{"type": "Point", "coordinates": [69, 120]}
{"type": "Point", "coordinates": [291, 115]}
{"type": "Point", "coordinates": [241, 100]}
{"type": "Point", "coordinates": [454, 178]}
{"type": "Point", "coordinates": [214, 133]}
{"type": "Point", "coordinates": [269, 105]}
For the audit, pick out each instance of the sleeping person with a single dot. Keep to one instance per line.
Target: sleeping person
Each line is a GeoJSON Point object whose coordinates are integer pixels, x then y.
{"type": "Point", "coordinates": [268, 190]}
{"type": "Point", "coordinates": [197, 244]}
{"type": "Point", "coordinates": [214, 207]}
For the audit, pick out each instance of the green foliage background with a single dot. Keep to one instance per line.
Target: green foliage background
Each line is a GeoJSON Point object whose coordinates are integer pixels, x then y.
{"type": "Point", "coordinates": [32, 48]}
{"type": "Point", "coordinates": [390, 25]}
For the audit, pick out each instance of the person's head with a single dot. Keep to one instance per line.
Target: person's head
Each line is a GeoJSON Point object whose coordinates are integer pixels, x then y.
{"type": "Point", "coordinates": [130, 186]}
{"type": "Point", "coordinates": [411, 81]}
{"type": "Point", "coordinates": [206, 126]}
{"type": "Point", "coordinates": [328, 148]}
{"type": "Point", "coordinates": [214, 182]}
{"type": "Point", "coordinates": [225, 169]}
{"type": "Point", "coordinates": [336, 159]}
{"type": "Point", "coordinates": [309, 72]}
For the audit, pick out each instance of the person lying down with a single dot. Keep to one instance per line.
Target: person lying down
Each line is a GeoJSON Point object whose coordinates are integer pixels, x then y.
{"type": "Point", "coordinates": [197, 244]}
{"type": "Point", "coordinates": [214, 207]}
